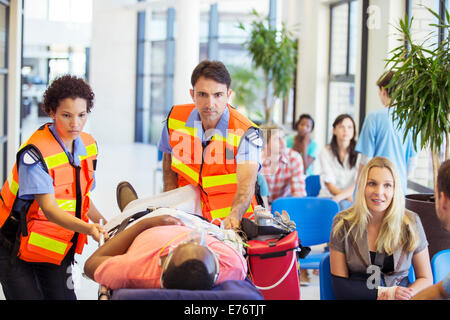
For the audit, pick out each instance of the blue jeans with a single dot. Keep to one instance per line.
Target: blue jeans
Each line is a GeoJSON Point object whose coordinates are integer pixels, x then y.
{"type": "Point", "coordinates": [23, 280]}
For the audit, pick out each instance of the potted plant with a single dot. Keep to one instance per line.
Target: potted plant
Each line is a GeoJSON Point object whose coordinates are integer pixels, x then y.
{"type": "Point", "coordinates": [420, 102]}
{"type": "Point", "coordinates": [247, 88]}
{"type": "Point", "coordinates": [275, 53]}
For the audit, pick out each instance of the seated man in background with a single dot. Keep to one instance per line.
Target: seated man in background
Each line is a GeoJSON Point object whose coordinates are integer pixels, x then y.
{"type": "Point", "coordinates": [282, 167]}
{"type": "Point", "coordinates": [161, 252]}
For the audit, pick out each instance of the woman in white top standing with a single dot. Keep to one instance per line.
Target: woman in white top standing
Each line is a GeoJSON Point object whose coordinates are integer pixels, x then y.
{"type": "Point", "coordinates": [339, 163]}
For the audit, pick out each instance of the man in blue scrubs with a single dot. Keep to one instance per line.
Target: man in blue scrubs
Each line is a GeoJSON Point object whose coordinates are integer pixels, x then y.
{"type": "Point", "coordinates": [381, 137]}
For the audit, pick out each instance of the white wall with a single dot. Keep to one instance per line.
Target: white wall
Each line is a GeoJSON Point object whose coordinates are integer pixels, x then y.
{"type": "Point", "coordinates": [312, 73]}
{"type": "Point", "coordinates": [383, 16]}
{"type": "Point", "coordinates": [14, 71]}
{"type": "Point", "coordinates": [113, 71]}
{"type": "Point", "coordinates": [44, 32]}
{"type": "Point", "coordinates": [186, 48]}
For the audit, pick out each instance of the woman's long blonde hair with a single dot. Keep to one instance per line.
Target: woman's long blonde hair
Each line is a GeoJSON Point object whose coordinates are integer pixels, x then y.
{"type": "Point", "coordinates": [397, 228]}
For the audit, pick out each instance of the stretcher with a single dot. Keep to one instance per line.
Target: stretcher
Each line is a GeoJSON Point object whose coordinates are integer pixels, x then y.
{"type": "Point", "coordinates": [182, 203]}
{"type": "Point", "coordinates": [227, 290]}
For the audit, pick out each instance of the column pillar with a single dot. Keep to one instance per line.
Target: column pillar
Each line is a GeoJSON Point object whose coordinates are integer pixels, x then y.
{"type": "Point", "coordinates": [187, 47]}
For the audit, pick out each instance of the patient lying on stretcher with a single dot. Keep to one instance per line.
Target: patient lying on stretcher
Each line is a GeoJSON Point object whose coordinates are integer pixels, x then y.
{"type": "Point", "coordinates": [168, 248]}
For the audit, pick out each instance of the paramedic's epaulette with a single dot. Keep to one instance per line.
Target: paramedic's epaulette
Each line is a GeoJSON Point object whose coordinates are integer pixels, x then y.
{"type": "Point", "coordinates": [30, 157]}
{"type": "Point", "coordinates": [254, 138]}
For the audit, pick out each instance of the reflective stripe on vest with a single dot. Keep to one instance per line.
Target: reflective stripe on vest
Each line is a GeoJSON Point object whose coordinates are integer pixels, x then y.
{"type": "Point", "coordinates": [214, 181]}
{"type": "Point", "coordinates": [61, 158]}
{"type": "Point", "coordinates": [223, 212]}
{"type": "Point", "coordinates": [13, 185]}
{"type": "Point", "coordinates": [67, 205]}
{"type": "Point", "coordinates": [178, 125]}
{"type": "Point", "coordinates": [47, 243]}
{"type": "Point", "coordinates": [176, 163]}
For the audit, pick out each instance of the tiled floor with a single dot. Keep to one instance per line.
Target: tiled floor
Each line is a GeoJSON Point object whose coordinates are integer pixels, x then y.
{"type": "Point", "coordinates": [134, 163]}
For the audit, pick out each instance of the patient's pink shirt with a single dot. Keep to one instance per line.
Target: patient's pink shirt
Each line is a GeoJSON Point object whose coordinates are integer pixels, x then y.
{"type": "Point", "coordinates": [139, 266]}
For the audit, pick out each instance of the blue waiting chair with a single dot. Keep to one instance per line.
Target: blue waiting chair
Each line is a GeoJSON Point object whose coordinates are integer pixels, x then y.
{"type": "Point", "coordinates": [326, 288]}
{"type": "Point", "coordinates": [411, 274]}
{"type": "Point", "coordinates": [312, 184]}
{"type": "Point", "coordinates": [325, 284]}
{"type": "Point", "coordinates": [313, 218]}
{"type": "Point", "coordinates": [440, 265]}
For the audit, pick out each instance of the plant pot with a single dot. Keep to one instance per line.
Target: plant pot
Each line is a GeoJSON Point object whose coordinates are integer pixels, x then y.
{"type": "Point", "coordinates": [423, 204]}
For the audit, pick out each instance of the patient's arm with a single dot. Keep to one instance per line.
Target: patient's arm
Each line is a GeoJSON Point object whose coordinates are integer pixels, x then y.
{"type": "Point", "coordinates": [121, 242]}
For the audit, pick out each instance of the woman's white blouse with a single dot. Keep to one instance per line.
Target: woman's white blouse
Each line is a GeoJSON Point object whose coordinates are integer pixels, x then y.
{"type": "Point", "coordinates": [331, 171]}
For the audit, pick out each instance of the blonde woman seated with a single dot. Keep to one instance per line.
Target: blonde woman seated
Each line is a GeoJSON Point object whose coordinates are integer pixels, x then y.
{"type": "Point", "coordinates": [374, 242]}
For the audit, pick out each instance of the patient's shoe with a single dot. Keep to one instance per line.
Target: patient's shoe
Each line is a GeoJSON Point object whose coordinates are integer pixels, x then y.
{"type": "Point", "coordinates": [125, 193]}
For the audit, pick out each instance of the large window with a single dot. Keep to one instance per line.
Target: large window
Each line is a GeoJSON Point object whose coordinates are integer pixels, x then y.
{"type": "Point", "coordinates": [220, 39]}
{"type": "Point", "coordinates": [155, 67]}
{"type": "Point", "coordinates": [421, 27]}
{"type": "Point", "coordinates": [224, 41]}
{"type": "Point", "coordinates": [342, 65]}
{"type": "Point", "coordinates": [4, 13]}
{"type": "Point", "coordinates": [59, 50]}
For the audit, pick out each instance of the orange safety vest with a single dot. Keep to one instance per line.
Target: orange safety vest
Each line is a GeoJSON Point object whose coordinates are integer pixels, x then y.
{"type": "Point", "coordinates": [23, 221]}
{"type": "Point", "coordinates": [212, 168]}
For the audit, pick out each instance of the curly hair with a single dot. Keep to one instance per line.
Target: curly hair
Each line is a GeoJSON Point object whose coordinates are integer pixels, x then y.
{"type": "Point", "coordinates": [304, 116]}
{"type": "Point", "coordinates": [67, 86]}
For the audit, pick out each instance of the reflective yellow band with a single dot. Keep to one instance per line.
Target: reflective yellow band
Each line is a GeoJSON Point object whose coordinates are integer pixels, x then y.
{"type": "Point", "coordinates": [67, 205]}
{"type": "Point", "coordinates": [224, 212]}
{"type": "Point", "coordinates": [175, 124]}
{"type": "Point", "coordinates": [180, 127]}
{"type": "Point", "coordinates": [220, 213]}
{"type": "Point", "coordinates": [91, 151]}
{"type": "Point", "coordinates": [13, 185]}
{"type": "Point", "coordinates": [47, 243]}
{"type": "Point", "coordinates": [56, 160]}
{"type": "Point", "coordinates": [188, 131]}
{"type": "Point", "coordinates": [214, 181]}
{"type": "Point", "coordinates": [233, 139]}
{"type": "Point", "coordinates": [185, 169]}
{"type": "Point", "coordinates": [61, 158]}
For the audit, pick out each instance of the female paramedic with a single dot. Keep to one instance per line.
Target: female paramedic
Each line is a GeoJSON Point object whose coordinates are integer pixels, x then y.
{"type": "Point", "coordinates": [45, 205]}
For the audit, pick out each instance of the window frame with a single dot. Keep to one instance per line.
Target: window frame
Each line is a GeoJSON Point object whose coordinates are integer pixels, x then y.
{"type": "Point", "coordinates": [347, 77]}
{"type": "Point", "coordinates": [4, 72]}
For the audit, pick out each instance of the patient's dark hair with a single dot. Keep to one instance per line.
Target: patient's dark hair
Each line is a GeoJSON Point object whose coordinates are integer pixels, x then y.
{"type": "Point", "coordinates": [190, 275]}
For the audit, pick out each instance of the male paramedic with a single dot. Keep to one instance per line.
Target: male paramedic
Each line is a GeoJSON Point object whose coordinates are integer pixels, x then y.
{"type": "Point", "coordinates": [440, 290]}
{"type": "Point", "coordinates": [209, 144]}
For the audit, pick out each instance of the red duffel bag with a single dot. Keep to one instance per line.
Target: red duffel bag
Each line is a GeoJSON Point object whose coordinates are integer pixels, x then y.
{"type": "Point", "coordinates": [273, 267]}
